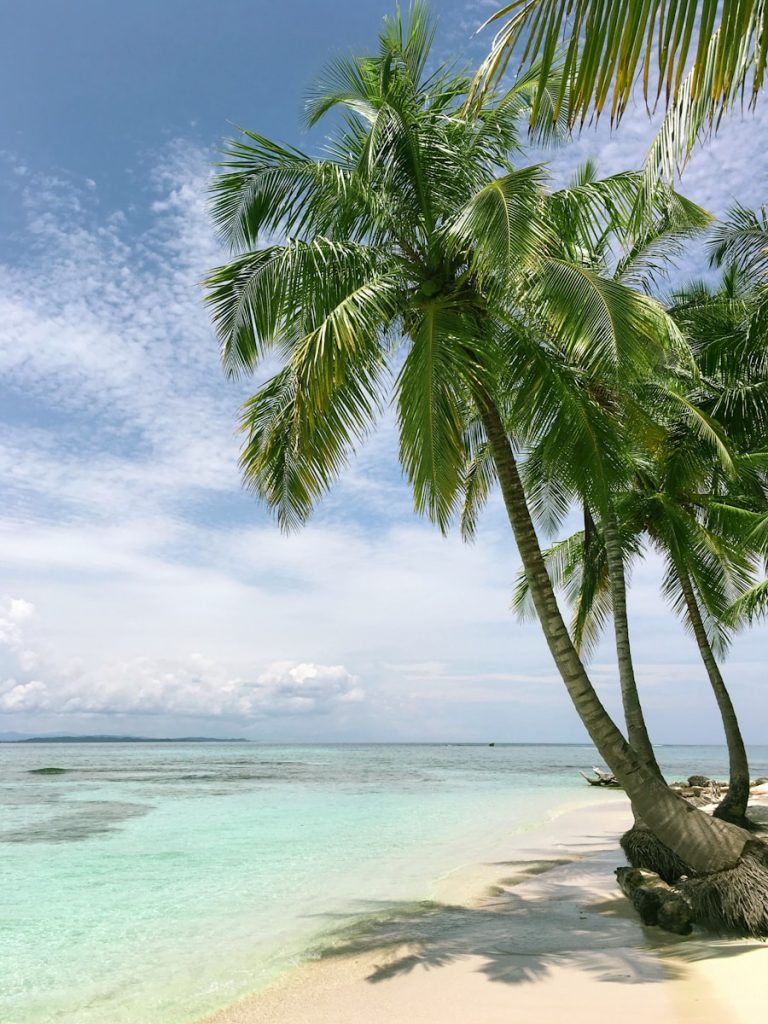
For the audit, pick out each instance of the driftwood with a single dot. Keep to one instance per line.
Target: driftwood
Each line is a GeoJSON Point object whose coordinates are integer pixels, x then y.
{"type": "Point", "coordinates": [656, 902]}
{"type": "Point", "coordinates": [698, 788]}
{"type": "Point", "coordinates": [603, 779]}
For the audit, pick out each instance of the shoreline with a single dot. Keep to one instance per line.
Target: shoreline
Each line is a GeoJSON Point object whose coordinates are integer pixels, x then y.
{"type": "Point", "coordinates": [543, 934]}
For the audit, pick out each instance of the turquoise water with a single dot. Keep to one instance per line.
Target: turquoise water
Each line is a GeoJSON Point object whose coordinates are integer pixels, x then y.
{"type": "Point", "coordinates": [152, 883]}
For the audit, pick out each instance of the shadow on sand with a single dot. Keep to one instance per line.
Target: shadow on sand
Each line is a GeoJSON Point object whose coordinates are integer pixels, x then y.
{"type": "Point", "coordinates": [547, 914]}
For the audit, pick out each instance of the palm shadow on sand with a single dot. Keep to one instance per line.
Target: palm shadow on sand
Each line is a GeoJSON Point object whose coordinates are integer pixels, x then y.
{"type": "Point", "coordinates": [545, 916]}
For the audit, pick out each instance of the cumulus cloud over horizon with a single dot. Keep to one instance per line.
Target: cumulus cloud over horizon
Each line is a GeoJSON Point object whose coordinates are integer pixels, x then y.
{"type": "Point", "coordinates": [193, 687]}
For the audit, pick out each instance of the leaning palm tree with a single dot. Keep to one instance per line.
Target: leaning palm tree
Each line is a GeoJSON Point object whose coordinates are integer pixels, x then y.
{"type": "Point", "coordinates": [727, 326]}
{"type": "Point", "coordinates": [414, 259]}
{"type": "Point", "coordinates": [634, 247]}
{"type": "Point", "coordinates": [700, 506]}
{"type": "Point", "coordinates": [703, 571]}
{"type": "Point", "coordinates": [700, 56]}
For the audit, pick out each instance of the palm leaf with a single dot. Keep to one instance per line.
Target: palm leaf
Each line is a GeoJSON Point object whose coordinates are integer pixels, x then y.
{"type": "Point", "coordinates": [299, 440]}
{"type": "Point", "coordinates": [603, 47]}
{"type": "Point", "coordinates": [430, 402]}
{"type": "Point", "coordinates": [742, 240]}
{"type": "Point", "coordinates": [601, 324]}
{"type": "Point", "coordinates": [478, 481]}
{"type": "Point", "coordinates": [300, 292]}
{"type": "Point", "coordinates": [502, 224]}
{"type": "Point", "coordinates": [752, 605]}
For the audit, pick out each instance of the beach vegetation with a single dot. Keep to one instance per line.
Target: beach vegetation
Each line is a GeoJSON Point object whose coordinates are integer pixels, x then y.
{"type": "Point", "coordinates": [421, 261]}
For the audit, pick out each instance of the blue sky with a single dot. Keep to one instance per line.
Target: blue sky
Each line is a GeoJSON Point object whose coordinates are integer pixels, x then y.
{"type": "Point", "coordinates": [141, 590]}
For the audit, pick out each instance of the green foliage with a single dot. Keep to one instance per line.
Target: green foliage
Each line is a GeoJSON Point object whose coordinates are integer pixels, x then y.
{"type": "Point", "coordinates": [415, 262]}
{"type": "Point", "coordinates": [698, 483]}
{"type": "Point", "coordinates": [741, 241]}
{"type": "Point", "coordinates": [600, 49]}
{"type": "Point", "coordinates": [588, 57]}
{"type": "Point", "coordinates": [752, 605]}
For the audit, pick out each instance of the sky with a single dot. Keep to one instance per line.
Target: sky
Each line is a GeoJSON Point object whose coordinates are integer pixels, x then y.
{"type": "Point", "coordinates": [141, 590]}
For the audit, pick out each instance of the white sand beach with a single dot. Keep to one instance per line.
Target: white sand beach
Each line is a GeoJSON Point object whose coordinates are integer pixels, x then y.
{"type": "Point", "coordinates": [542, 936]}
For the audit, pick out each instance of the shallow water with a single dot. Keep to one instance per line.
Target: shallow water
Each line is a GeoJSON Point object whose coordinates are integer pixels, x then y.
{"type": "Point", "coordinates": [155, 882]}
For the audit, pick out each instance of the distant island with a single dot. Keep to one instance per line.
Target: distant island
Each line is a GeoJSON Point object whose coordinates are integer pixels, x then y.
{"type": "Point", "coordinates": [126, 739]}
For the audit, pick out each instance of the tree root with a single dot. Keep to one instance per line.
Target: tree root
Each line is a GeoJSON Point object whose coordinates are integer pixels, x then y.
{"type": "Point", "coordinates": [656, 902]}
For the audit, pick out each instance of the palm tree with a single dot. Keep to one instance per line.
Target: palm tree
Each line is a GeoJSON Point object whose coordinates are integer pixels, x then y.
{"type": "Point", "coordinates": [700, 567]}
{"type": "Point", "coordinates": [732, 325]}
{"type": "Point", "coordinates": [700, 63]}
{"type": "Point", "coordinates": [633, 251]}
{"type": "Point", "coordinates": [415, 250]}
{"type": "Point", "coordinates": [728, 329]}
{"type": "Point", "coordinates": [707, 519]}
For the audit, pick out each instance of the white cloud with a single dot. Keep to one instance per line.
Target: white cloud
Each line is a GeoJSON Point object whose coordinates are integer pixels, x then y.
{"type": "Point", "coordinates": [19, 610]}
{"type": "Point", "coordinates": [105, 331]}
{"type": "Point", "coordinates": [14, 611]}
{"type": "Point", "coordinates": [194, 686]}
{"type": "Point", "coordinates": [124, 525]}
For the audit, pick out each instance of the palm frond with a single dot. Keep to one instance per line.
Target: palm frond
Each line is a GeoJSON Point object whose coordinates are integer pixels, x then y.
{"type": "Point", "coordinates": [662, 226]}
{"type": "Point", "coordinates": [590, 209]}
{"type": "Point", "coordinates": [298, 439]}
{"type": "Point", "coordinates": [264, 189]}
{"type": "Point", "coordinates": [752, 605]}
{"type": "Point", "coordinates": [603, 48]}
{"type": "Point", "coordinates": [503, 223]}
{"type": "Point", "coordinates": [350, 82]}
{"type": "Point", "coordinates": [576, 567]}
{"type": "Point", "coordinates": [479, 478]}
{"type": "Point", "coordinates": [300, 291]}
{"type": "Point", "coordinates": [430, 399]}
{"type": "Point", "coordinates": [600, 323]}
{"type": "Point", "coordinates": [705, 427]}
{"type": "Point", "coordinates": [701, 98]}
{"type": "Point", "coordinates": [564, 560]}
{"type": "Point", "coordinates": [742, 240]}
{"type": "Point", "coordinates": [246, 300]}
{"type": "Point", "coordinates": [531, 91]}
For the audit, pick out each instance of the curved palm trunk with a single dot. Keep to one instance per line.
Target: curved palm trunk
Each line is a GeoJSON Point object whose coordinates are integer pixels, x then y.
{"type": "Point", "coordinates": [733, 806]}
{"type": "Point", "coordinates": [637, 731]}
{"type": "Point", "coordinates": [705, 843]}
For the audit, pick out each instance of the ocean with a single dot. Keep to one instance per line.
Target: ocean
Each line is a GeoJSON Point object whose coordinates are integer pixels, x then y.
{"type": "Point", "coordinates": [152, 883]}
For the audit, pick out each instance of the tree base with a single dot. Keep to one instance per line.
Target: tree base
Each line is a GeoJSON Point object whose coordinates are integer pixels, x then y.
{"type": "Point", "coordinates": [643, 850]}
{"type": "Point", "coordinates": [734, 818]}
{"type": "Point", "coordinates": [733, 902]}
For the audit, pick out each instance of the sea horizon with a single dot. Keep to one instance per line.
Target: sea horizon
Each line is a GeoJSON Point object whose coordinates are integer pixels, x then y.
{"type": "Point", "coordinates": [108, 738]}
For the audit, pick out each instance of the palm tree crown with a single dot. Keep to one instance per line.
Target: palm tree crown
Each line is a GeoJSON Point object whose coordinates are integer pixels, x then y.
{"type": "Point", "coordinates": [414, 226]}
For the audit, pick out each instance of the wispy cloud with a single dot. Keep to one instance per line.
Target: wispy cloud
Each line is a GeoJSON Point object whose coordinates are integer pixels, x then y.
{"type": "Point", "coordinates": [162, 594]}
{"type": "Point", "coordinates": [109, 356]}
